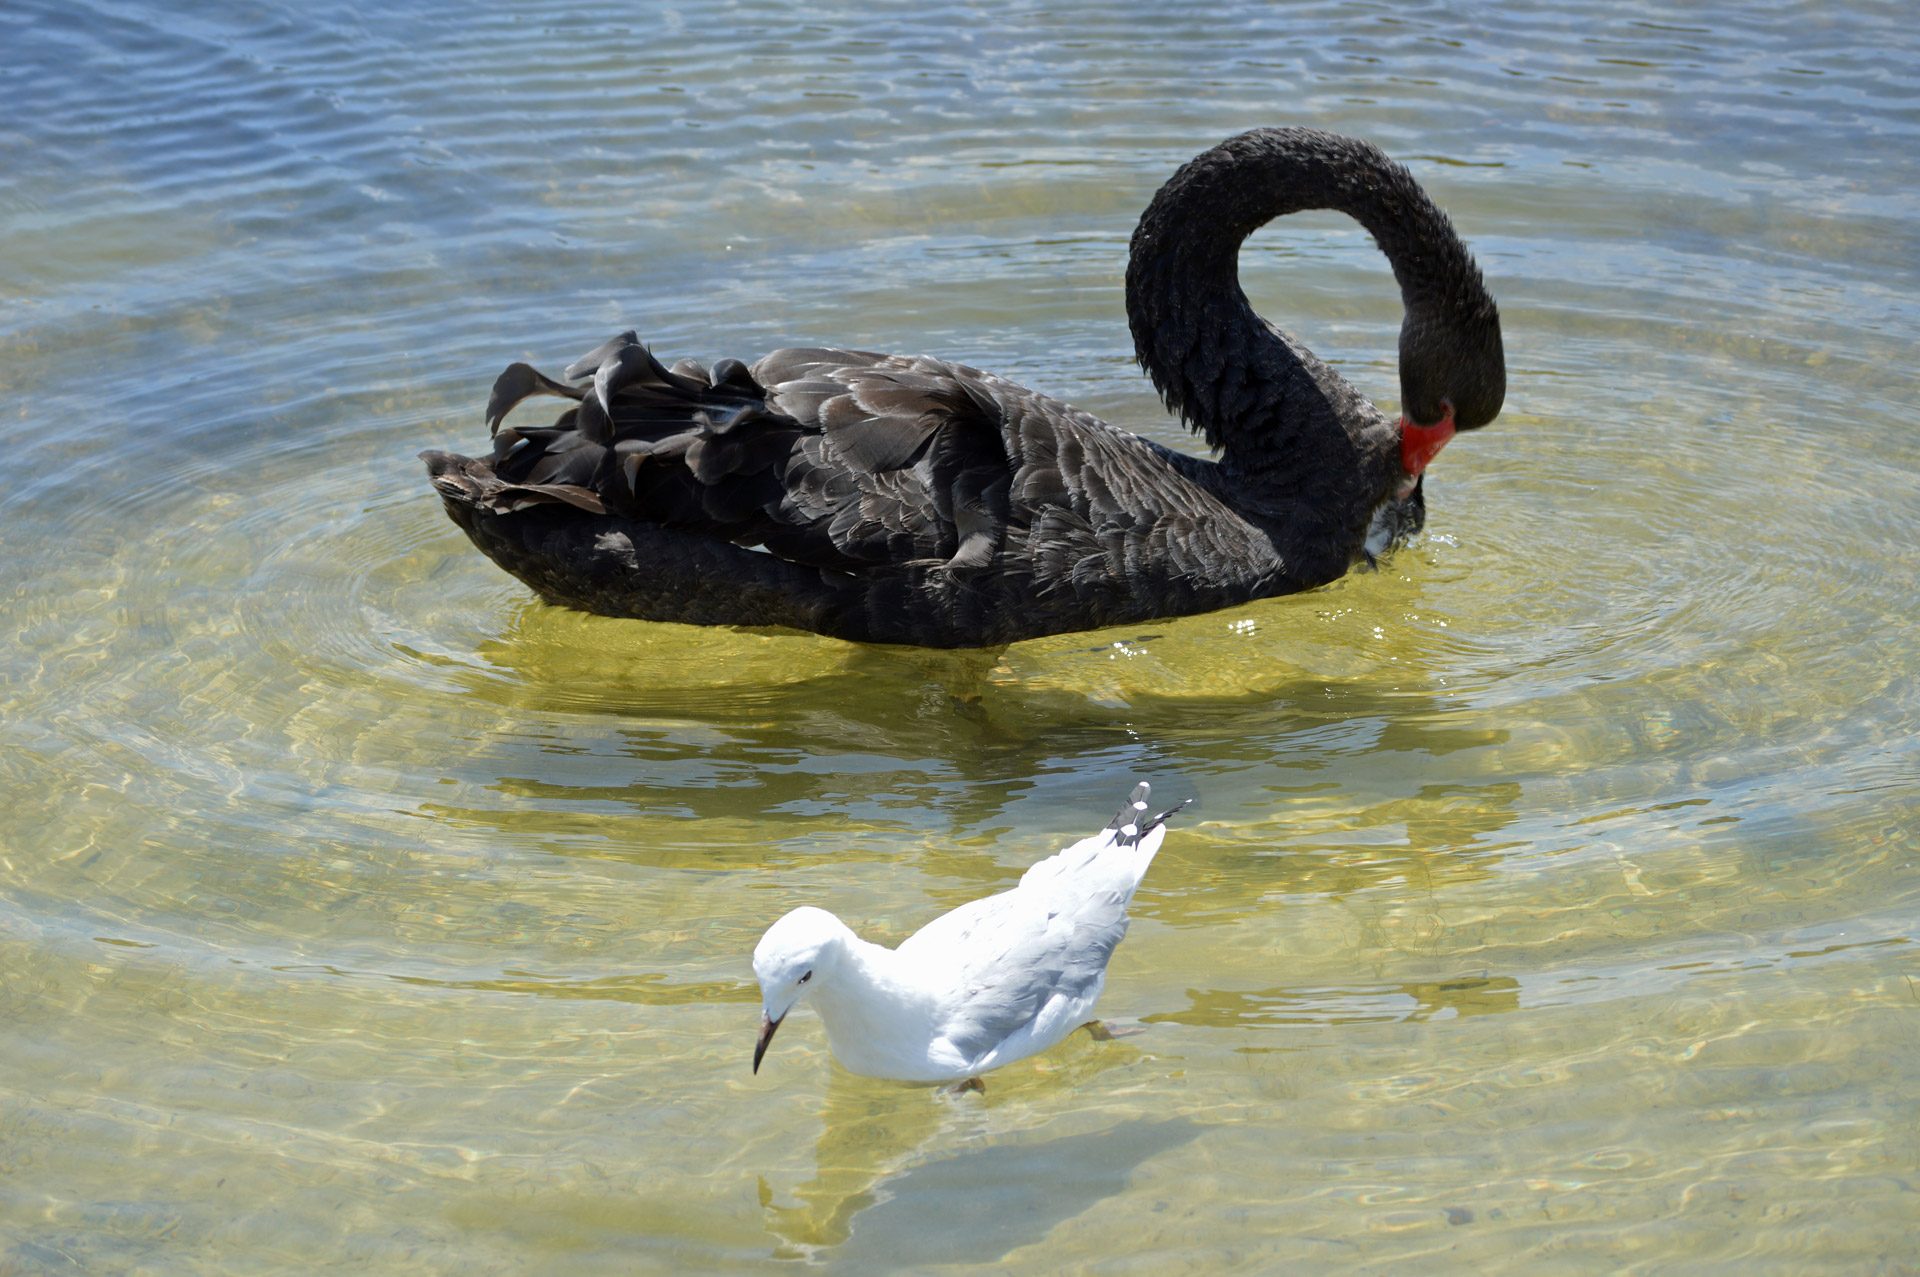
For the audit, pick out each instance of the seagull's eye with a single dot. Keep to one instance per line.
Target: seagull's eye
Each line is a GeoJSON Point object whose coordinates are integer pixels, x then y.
{"type": "Point", "coordinates": [808, 976]}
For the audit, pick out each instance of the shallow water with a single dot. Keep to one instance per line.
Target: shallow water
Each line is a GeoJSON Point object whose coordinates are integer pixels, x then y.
{"type": "Point", "coordinates": [1551, 894]}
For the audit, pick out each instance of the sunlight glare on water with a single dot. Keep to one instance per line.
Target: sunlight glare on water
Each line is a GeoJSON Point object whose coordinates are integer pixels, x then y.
{"type": "Point", "coordinates": [1550, 894]}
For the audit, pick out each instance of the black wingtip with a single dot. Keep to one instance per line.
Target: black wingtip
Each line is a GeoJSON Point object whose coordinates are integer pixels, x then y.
{"type": "Point", "coordinates": [1135, 804]}
{"type": "Point", "coordinates": [1132, 823]}
{"type": "Point", "coordinates": [1161, 819]}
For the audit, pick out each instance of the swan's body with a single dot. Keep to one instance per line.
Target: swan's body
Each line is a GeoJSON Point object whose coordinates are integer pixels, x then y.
{"type": "Point", "coordinates": [902, 499]}
{"type": "Point", "coordinates": [993, 981]}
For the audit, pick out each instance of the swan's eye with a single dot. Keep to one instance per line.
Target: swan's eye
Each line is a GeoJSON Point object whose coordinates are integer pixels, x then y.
{"type": "Point", "coordinates": [808, 976]}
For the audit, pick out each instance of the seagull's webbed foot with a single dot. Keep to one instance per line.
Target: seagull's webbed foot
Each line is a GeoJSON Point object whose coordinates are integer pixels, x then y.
{"type": "Point", "coordinates": [961, 1088]}
{"type": "Point", "coordinates": [1101, 1031]}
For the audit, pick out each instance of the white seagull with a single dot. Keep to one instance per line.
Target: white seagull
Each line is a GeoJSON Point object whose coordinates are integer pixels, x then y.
{"type": "Point", "coordinates": [994, 981]}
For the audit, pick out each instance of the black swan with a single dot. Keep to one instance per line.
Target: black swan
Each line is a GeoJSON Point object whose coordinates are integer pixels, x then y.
{"type": "Point", "coordinates": [905, 499]}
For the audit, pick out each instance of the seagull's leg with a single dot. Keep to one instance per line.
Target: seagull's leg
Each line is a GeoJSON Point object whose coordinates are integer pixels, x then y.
{"type": "Point", "coordinates": [1101, 1031]}
{"type": "Point", "coordinates": [961, 1088]}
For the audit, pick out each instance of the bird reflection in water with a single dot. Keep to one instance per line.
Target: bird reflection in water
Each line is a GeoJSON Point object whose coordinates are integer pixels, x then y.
{"type": "Point", "coordinates": [900, 1180]}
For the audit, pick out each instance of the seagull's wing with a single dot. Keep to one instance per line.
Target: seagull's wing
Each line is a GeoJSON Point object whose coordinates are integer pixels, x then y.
{"type": "Point", "coordinates": [955, 931]}
{"type": "Point", "coordinates": [1012, 961]}
{"type": "Point", "coordinates": [1020, 958]}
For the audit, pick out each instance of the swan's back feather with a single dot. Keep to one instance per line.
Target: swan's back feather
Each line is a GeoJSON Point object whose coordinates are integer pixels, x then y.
{"type": "Point", "coordinates": [903, 499]}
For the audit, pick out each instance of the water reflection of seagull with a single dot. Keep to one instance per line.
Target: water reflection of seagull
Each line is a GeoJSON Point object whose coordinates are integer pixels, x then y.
{"type": "Point", "coordinates": [994, 981]}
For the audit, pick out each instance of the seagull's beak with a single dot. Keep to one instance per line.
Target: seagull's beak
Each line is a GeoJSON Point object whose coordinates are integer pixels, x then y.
{"type": "Point", "coordinates": [767, 1025]}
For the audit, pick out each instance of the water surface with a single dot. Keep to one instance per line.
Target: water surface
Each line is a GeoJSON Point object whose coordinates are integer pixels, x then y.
{"type": "Point", "coordinates": [1550, 898]}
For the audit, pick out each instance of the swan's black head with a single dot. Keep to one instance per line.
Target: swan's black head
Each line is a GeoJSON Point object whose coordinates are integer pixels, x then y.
{"type": "Point", "coordinates": [1452, 354]}
{"type": "Point", "coordinates": [1453, 374]}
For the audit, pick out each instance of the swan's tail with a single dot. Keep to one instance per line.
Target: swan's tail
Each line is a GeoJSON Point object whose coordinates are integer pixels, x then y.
{"type": "Point", "coordinates": [474, 483]}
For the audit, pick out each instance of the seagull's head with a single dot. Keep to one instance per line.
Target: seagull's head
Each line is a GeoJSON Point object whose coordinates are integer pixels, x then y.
{"type": "Point", "coordinates": [790, 962]}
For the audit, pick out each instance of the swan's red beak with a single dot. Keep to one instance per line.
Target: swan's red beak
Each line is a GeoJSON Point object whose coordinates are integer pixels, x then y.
{"type": "Point", "coordinates": [1419, 445]}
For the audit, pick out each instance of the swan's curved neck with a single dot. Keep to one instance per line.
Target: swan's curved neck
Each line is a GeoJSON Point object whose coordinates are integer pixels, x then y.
{"type": "Point", "coordinates": [1255, 393]}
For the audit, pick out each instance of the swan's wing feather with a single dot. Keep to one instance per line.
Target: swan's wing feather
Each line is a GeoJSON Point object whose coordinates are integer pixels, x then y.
{"type": "Point", "coordinates": [838, 459]}
{"type": "Point", "coordinates": [900, 498]}
{"type": "Point", "coordinates": [520, 382]}
{"type": "Point", "coordinates": [873, 441]}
